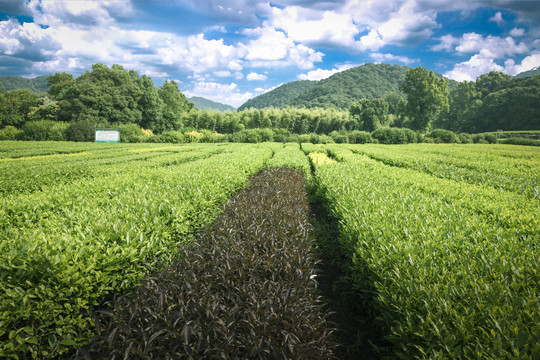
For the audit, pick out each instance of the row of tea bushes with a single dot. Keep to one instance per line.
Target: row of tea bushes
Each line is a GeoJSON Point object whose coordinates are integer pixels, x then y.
{"type": "Point", "coordinates": [453, 267]}
{"type": "Point", "coordinates": [67, 246]}
{"type": "Point", "coordinates": [512, 168]}
{"type": "Point", "coordinates": [33, 173]}
{"type": "Point", "coordinates": [291, 156]}
{"type": "Point", "coordinates": [244, 290]}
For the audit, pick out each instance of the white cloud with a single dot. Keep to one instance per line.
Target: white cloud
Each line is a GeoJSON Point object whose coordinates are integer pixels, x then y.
{"type": "Point", "coordinates": [390, 58]}
{"type": "Point", "coordinates": [223, 93]}
{"type": "Point", "coordinates": [483, 63]}
{"type": "Point", "coordinates": [493, 46]}
{"type": "Point", "coordinates": [469, 70]}
{"type": "Point", "coordinates": [273, 48]}
{"type": "Point", "coordinates": [497, 18]}
{"type": "Point", "coordinates": [320, 74]}
{"type": "Point", "coordinates": [517, 32]}
{"type": "Point", "coordinates": [252, 76]}
{"type": "Point", "coordinates": [222, 73]}
{"type": "Point", "coordinates": [26, 40]}
{"type": "Point", "coordinates": [315, 27]}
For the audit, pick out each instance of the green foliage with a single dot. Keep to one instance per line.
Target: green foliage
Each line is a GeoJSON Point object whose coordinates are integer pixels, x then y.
{"type": "Point", "coordinates": [368, 115]}
{"type": "Point", "coordinates": [175, 105]}
{"type": "Point", "coordinates": [57, 82]}
{"type": "Point", "coordinates": [73, 242]}
{"type": "Point", "coordinates": [280, 97]}
{"type": "Point", "coordinates": [44, 130]}
{"type": "Point", "coordinates": [81, 131]}
{"type": "Point", "coordinates": [359, 137]}
{"type": "Point", "coordinates": [223, 299]}
{"type": "Point", "coordinates": [10, 133]}
{"type": "Point", "coordinates": [131, 133]}
{"type": "Point", "coordinates": [517, 141]}
{"type": "Point", "coordinates": [204, 104]}
{"type": "Point", "coordinates": [427, 95]}
{"type": "Point", "coordinates": [387, 135]}
{"type": "Point", "coordinates": [15, 106]}
{"type": "Point", "coordinates": [452, 267]}
{"type": "Point", "coordinates": [36, 85]}
{"type": "Point", "coordinates": [444, 136]}
{"type": "Point", "coordinates": [341, 90]}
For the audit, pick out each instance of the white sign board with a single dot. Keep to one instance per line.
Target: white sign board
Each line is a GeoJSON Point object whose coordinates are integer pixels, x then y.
{"type": "Point", "coordinates": [107, 135]}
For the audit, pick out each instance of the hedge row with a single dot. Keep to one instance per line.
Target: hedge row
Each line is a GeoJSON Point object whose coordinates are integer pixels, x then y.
{"type": "Point", "coordinates": [132, 133]}
{"type": "Point", "coordinates": [244, 290]}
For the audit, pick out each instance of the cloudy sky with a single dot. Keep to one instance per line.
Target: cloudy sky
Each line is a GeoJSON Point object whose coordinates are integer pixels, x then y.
{"type": "Point", "coordinates": [230, 51]}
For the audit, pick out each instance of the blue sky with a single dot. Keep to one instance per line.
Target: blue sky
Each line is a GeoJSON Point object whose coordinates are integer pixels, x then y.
{"type": "Point", "coordinates": [230, 51]}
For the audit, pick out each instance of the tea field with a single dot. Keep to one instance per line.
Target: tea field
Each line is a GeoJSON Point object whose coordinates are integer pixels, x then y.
{"type": "Point", "coordinates": [444, 239]}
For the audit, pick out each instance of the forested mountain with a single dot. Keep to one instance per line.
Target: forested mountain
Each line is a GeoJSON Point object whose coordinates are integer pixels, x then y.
{"type": "Point", "coordinates": [202, 104]}
{"type": "Point", "coordinates": [37, 85]}
{"type": "Point", "coordinates": [531, 72]}
{"type": "Point", "coordinates": [280, 96]}
{"type": "Point", "coordinates": [341, 90]}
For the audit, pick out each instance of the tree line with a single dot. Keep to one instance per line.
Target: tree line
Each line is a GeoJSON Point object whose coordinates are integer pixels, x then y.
{"type": "Point", "coordinates": [116, 97]}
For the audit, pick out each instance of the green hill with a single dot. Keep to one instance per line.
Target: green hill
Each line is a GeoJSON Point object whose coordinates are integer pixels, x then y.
{"type": "Point", "coordinates": [37, 85]}
{"type": "Point", "coordinates": [341, 90]}
{"type": "Point", "coordinates": [369, 81]}
{"type": "Point", "coordinates": [202, 104]}
{"type": "Point", "coordinates": [531, 72]}
{"type": "Point", "coordinates": [280, 96]}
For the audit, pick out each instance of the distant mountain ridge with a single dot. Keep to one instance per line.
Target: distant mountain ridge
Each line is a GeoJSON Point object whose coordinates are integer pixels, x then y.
{"type": "Point", "coordinates": [37, 84]}
{"type": "Point", "coordinates": [202, 104]}
{"type": "Point", "coordinates": [280, 96]}
{"type": "Point", "coordinates": [341, 90]}
{"type": "Point", "coordinates": [531, 72]}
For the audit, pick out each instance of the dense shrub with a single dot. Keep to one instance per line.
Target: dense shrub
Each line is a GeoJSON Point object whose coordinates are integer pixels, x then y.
{"type": "Point", "coordinates": [81, 131]}
{"type": "Point", "coordinates": [174, 137]}
{"type": "Point", "coordinates": [484, 139]}
{"type": "Point", "coordinates": [444, 136]}
{"type": "Point", "coordinates": [44, 130]}
{"type": "Point", "coordinates": [10, 133]}
{"type": "Point", "coordinates": [244, 290]}
{"type": "Point", "coordinates": [359, 137]}
{"type": "Point", "coordinates": [339, 137]}
{"type": "Point", "coordinates": [387, 135]}
{"type": "Point", "coordinates": [131, 133]}
{"type": "Point", "coordinates": [465, 138]}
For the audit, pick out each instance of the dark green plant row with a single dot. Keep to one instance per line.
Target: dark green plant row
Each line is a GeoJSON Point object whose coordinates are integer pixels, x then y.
{"type": "Point", "coordinates": [245, 289]}
{"type": "Point", "coordinates": [452, 268]}
{"type": "Point", "coordinates": [67, 246]}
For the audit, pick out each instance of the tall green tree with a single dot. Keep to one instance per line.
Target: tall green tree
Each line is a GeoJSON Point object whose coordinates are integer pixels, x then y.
{"type": "Point", "coordinates": [102, 95]}
{"type": "Point", "coordinates": [150, 104]}
{"type": "Point", "coordinates": [175, 105]}
{"type": "Point", "coordinates": [57, 82]}
{"type": "Point", "coordinates": [427, 95]}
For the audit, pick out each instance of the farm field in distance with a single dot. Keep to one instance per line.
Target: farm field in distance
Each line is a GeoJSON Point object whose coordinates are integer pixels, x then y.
{"type": "Point", "coordinates": [444, 238]}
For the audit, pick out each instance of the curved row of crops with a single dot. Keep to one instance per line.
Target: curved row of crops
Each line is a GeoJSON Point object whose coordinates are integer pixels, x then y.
{"type": "Point", "coordinates": [65, 246]}
{"type": "Point", "coordinates": [454, 267]}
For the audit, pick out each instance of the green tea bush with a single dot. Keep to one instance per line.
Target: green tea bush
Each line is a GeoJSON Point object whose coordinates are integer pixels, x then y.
{"type": "Point", "coordinates": [519, 141]}
{"type": "Point", "coordinates": [244, 290]}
